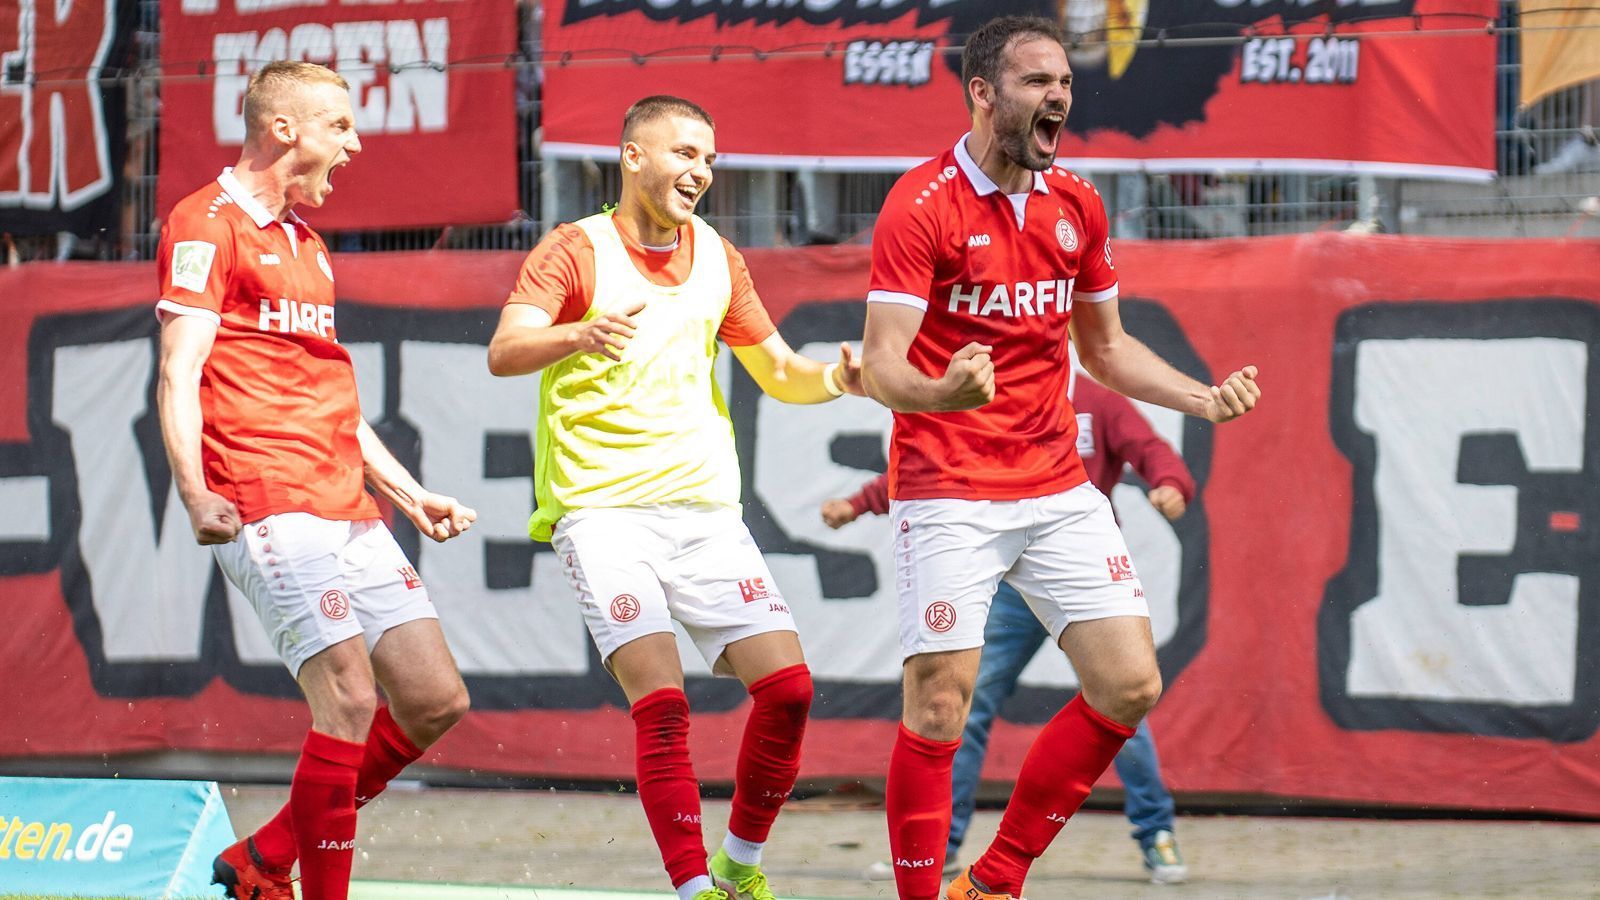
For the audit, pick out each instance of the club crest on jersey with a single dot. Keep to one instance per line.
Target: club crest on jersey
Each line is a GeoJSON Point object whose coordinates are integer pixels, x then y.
{"type": "Point", "coordinates": [1067, 235]}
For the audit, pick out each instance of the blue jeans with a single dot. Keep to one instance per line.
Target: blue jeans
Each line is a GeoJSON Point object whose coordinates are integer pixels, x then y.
{"type": "Point", "coordinates": [1011, 637]}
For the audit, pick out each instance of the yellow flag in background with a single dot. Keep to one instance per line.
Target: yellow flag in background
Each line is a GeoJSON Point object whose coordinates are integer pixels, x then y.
{"type": "Point", "coordinates": [1560, 46]}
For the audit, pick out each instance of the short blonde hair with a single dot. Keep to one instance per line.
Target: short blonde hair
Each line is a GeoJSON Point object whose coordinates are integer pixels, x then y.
{"type": "Point", "coordinates": [273, 86]}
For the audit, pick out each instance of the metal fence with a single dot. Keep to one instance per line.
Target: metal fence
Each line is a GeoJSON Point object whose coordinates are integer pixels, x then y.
{"type": "Point", "coordinates": [1547, 156]}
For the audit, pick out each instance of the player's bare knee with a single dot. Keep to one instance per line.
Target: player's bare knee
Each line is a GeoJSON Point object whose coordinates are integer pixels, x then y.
{"type": "Point", "coordinates": [1132, 700]}
{"type": "Point", "coordinates": [939, 717]}
{"type": "Point", "coordinates": [346, 713]}
{"type": "Point", "coordinates": [426, 720]}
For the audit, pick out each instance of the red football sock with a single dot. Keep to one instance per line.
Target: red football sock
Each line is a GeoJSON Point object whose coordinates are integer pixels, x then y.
{"type": "Point", "coordinates": [667, 786]}
{"type": "Point", "coordinates": [1071, 751]}
{"type": "Point", "coordinates": [322, 803]}
{"type": "Point", "coordinates": [388, 751]}
{"type": "Point", "coordinates": [769, 755]}
{"type": "Point", "coordinates": [918, 801]}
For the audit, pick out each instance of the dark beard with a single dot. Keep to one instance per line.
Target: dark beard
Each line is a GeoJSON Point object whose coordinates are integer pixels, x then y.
{"type": "Point", "coordinates": [1019, 149]}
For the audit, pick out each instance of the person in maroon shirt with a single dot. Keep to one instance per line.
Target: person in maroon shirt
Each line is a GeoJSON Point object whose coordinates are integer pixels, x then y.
{"type": "Point", "coordinates": [1112, 435]}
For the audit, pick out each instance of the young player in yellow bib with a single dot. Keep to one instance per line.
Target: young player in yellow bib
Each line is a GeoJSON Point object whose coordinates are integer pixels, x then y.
{"type": "Point", "coordinates": [638, 483]}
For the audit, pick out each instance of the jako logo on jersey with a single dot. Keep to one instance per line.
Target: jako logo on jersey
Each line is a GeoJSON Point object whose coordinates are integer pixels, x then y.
{"type": "Point", "coordinates": [337, 845]}
{"type": "Point", "coordinates": [335, 605]}
{"type": "Point", "coordinates": [292, 315]}
{"type": "Point", "coordinates": [412, 579]}
{"type": "Point", "coordinates": [1024, 298]}
{"type": "Point", "coordinates": [270, 259]}
{"type": "Point", "coordinates": [753, 589]}
{"type": "Point", "coordinates": [1120, 567]}
{"type": "Point", "coordinates": [978, 240]}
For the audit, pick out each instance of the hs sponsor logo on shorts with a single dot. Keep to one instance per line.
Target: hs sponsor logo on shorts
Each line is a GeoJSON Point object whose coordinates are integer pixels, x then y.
{"type": "Point", "coordinates": [410, 576]}
{"type": "Point", "coordinates": [1121, 568]}
{"type": "Point", "coordinates": [625, 608]}
{"type": "Point", "coordinates": [941, 616]}
{"type": "Point", "coordinates": [753, 589]}
{"type": "Point", "coordinates": [335, 605]}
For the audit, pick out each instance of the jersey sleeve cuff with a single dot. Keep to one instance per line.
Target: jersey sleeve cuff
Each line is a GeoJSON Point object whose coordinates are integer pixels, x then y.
{"type": "Point", "coordinates": [897, 297]}
{"type": "Point", "coordinates": [1109, 293]}
{"type": "Point", "coordinates": [166, 308]}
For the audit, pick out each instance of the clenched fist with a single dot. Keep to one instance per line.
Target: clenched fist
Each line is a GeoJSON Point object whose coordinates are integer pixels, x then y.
{"type": "Point", "coordinates": [968, 381]}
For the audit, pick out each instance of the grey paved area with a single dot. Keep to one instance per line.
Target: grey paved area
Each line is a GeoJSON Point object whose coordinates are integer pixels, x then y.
{"type": "Point", "coordinates": [819, 849]}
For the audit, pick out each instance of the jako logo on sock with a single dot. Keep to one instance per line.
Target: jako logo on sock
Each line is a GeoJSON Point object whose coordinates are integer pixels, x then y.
{"type": "Point", "coordinates": [337, 845]}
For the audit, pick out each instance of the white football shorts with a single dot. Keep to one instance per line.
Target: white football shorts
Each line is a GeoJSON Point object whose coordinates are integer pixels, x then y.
{"type": "Point", "coordinates": [635, 569]}
{"type": "Point", "coordinates": [1063, 552]}
{"type": "Point", "coordinates": [315, 582]}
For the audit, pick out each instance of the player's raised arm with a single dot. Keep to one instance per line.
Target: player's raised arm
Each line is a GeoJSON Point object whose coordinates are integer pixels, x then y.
{"type": "Point", "coordinates": [1123, 363]}
{"type": "Point", "coordinates": [787, 376]}
{"type": "Point", "coordinates": [185, 344]}
{"type": "Point", "coordinates": [891, 379]}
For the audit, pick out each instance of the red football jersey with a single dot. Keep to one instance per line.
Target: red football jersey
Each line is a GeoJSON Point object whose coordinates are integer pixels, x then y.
{"type": "Point", "coordinates": [1002, 271]}
{"type": "Point", "coordinates": [278, 393]}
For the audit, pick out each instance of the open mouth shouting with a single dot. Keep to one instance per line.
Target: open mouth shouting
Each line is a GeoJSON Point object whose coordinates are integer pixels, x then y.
{"type": "Point", "coordinates": [1047, 131]}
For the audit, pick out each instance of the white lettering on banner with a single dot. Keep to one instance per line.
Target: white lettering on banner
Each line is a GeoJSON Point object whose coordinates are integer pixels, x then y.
{"type": "Point", "coordinates": [99, 392]}
{"type": "Point", "coordinates": [1418, 399]}
{"type": "Point", "coordinates": [396, 70]}
{"type": "Point", "coordinates": [55, 150]}
{"type": "Point", "coordinates": [1024, 298]}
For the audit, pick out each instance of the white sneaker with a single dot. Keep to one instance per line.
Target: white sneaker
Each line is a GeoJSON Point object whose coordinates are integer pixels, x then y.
{"type": "Point", "coordinates": [882, 870]}
{"type": "Point", "coordinates": [1581, 154]}
{"type": "Point", "coordinates": [1163, 861]}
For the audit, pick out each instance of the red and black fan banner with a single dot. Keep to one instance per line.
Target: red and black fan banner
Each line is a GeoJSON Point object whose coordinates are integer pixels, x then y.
{"type": "Point", "coordinates": [431, 83]}
{"type": "Point", "coordinates": [1396, 87]}
{"type": "Point", "coordinates": [1387, 589]}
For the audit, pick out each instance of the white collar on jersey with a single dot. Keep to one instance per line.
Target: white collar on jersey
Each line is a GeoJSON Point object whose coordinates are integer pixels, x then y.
{"type": "Point", "coordinates": [251, 206]}
{"type": "Point", "coordinates": [981, 182]}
